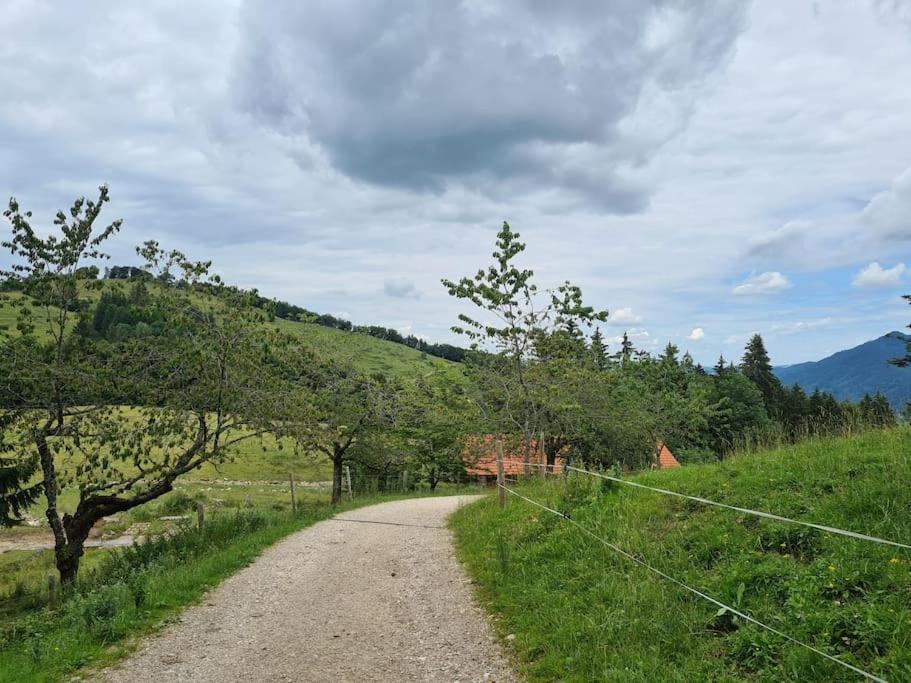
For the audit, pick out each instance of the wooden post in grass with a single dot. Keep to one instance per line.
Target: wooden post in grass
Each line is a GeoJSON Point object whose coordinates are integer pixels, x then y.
{"type": "Point", "coordinates": [348, 480]}
{"type": "Point", "coordinates": [200, 515]}
{"type": "Point", "coordinates": [501, 478]}
{"type": "Point", "coordinates": [542, 456]}
{"type": "Point", "coordinates": [293, 496]}
{"type": "Point", "coordinates": [51, 592]}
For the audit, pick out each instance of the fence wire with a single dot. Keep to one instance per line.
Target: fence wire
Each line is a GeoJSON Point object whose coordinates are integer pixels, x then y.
{"type": "Point", "coordinates": [694, 591]}
{"type": "Point", "coordinates": [746, 511]}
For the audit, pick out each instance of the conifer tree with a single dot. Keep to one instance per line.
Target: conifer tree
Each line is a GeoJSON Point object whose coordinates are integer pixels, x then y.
{"type": "Point", "coordinates": [757, 367]}
{"type": "Point", "coordinates": [598, 350]}
{"type": "Point", "coordinates": [626, 349]}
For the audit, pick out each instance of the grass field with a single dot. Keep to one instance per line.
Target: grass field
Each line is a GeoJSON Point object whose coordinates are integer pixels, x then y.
{"type": "Point", "coordinates": [579, 611]}
{"type": "Point", "coordinates": [367, 354]}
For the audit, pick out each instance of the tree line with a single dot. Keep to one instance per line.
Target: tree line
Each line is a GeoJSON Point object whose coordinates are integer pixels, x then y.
{"type": "Point", "coordinates": [113, 393]}
{"type": "Point", "coordinates": [546, 375]}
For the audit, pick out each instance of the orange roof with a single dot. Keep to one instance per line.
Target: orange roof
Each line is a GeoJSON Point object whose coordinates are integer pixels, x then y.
{"type": "Point", "coordinates": [666, 459]}
{"type": "Point", "coordinates": [480, 457]}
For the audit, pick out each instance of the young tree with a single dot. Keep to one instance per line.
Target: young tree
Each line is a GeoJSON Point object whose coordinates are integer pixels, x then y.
{"type": "Point", "coordinates": [515, 317]}
{"type": "Point", "coordinates": [216, 378]}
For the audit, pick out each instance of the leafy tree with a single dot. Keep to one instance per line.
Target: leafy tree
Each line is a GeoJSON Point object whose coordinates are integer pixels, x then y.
{"type": "Point", "coordinates": [16, 473]}
{"type": "Point", "coordinates": [217, 378]}
{"type": "Point", "coordinates": [515, 316]}
{"type": "Point", "coordinates": [757, 367]}
{"type": "Point", "coordinates": [352, 413]}
{"type": "Point", "coordinates": [436, 418]}
{"type": "Point", "coordinates": [906, 413]}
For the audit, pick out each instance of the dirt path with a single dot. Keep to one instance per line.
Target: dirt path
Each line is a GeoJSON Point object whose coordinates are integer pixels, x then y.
{"type": "Point", "coordinates": [340, 601]}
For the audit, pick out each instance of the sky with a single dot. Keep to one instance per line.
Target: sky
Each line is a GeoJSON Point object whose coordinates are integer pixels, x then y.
{"type": "Point", "coordinates": [702, 170]}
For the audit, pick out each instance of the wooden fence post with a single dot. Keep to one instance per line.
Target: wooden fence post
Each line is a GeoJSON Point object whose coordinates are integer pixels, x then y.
{"type": "Point", "coordinates": [501, 478]}
{"type": "Point", "coordinates": [293, 496]}
{"type": "Point", "coordinates": [348, 480]}
{"type": "Point", "coordinates": [51, 592]}
{"type": "Point", "coordinates": [200, 515]}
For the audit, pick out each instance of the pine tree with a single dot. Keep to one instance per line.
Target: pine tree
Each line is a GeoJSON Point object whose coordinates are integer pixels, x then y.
{"type": "Point", "coordinates": [757, 367]}
{"type": "Point", "coordinates": [720, 367]}
{"type": "Point", "coordinates": [598, 350]}
{"type": "Point", "coordinates": [626, 349]}
{"type": "Point", "coordinates": [670, 354]}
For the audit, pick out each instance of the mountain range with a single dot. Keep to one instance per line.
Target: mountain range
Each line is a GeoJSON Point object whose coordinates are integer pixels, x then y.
{"type": "Point", "coordinates": [851, 373]}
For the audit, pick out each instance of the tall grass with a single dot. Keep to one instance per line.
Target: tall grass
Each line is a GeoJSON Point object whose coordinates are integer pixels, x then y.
{"type": "Point", "coordinates": [581, 612]}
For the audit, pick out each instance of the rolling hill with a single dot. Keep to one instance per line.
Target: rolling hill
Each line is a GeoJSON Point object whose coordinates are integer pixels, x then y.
{"type": "Point", "coordinates": [851, 373]}
{"type": "Point", "coordinates": [366, 353]}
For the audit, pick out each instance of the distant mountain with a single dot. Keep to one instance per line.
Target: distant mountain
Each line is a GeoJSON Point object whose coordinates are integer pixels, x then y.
{"type": "Point", "coordinates": [849, 374]}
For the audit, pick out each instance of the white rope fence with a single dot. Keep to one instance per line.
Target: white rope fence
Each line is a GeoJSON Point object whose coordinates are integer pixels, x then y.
{"type": "Point", "coordinates": [681, 584]}
{"type": "Point", "coordinates": [746, 511]}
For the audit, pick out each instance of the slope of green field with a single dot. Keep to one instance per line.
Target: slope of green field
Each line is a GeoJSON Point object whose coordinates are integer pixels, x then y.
{"type": "Point", "coordinates": [580, 611]}
{"type": "Point", "coordinates": [367, 354]}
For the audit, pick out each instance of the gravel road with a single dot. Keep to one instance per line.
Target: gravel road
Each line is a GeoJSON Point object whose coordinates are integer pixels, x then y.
{"type": "Point", "coordinates": [380, 599]}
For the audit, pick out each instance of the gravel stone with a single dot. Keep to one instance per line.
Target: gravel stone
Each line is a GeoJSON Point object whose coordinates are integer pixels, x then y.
{"type": "Point", "coordinates": [339, 601]}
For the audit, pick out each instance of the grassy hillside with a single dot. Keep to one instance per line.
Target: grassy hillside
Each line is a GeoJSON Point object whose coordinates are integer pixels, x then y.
{"type": "Point", "coordinates": [368, 354]}
{"type": "Point", "coordinates": [579, 611]}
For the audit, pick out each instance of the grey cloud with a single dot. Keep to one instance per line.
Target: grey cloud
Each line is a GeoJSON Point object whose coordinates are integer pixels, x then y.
{"type": "Point", "coordinates": [889, 212]}
{"type": "Point", "coordinates": [423, 95]}
{"type": "Point", "coordinates": [401, 289]}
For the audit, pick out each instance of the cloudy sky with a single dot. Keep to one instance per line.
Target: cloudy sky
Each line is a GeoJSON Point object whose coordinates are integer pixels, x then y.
{"type": "Point", "coordinates": [701, 169]}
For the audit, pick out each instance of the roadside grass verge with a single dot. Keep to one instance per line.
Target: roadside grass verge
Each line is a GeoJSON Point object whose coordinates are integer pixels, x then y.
{"type": "Point", "coordinates": [128, 592]}
{"type": "Point", "coordinates": [580, 612]}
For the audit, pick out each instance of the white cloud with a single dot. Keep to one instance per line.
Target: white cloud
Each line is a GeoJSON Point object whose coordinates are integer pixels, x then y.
{"type": "Point", "coordinates": [623, 316]}
{"type": "Point", "coordinates": [770, 282]}
{"type": "Point", "coordinates": [697, 334]}
{"type": "Point", "coordinates": [875, 275]}
{"type": "Point", "coordinates": [796, 326]}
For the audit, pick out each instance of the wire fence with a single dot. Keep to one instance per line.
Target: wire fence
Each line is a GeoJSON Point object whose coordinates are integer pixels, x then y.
{"type": "Point", "coordinates": [548, 469]}
{"type": "Point", "coordinates": [746, 511]}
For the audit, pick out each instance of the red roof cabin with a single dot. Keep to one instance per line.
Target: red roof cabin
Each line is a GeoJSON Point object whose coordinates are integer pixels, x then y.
{"type": "Point", "coordinates": [480, 458]}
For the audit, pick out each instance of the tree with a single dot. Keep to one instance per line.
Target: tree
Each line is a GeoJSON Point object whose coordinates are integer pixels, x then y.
{"type": "Point", "coordinates": [906, 413]}
{"type": "Point", "coordinates": [16, 473]}
{"type": "Point", "coordinates": [217, 378]}
{"type": "Point", "coordinates": [626, 349]}
{"type": "Point", "coordinates": [514, 318]}
{"type": "Point", "coordinates": [741, 409]}
{"type": "Point", "coordinates": [351, 413]}
{"type": "Point", "coordinates": [436, 418]}
{"type": "Point", "coordinates": [757, 367]}
{"type": "Point", "coordinates": [598, 350]}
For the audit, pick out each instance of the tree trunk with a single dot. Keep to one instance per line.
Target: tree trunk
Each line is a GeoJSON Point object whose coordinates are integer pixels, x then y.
{"type": "Point", "coordinates": [337, 479]}
{"type": "Point", "coordinates": [67, 559]}
{"type": "Point", "coordinates": [433, 479]}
